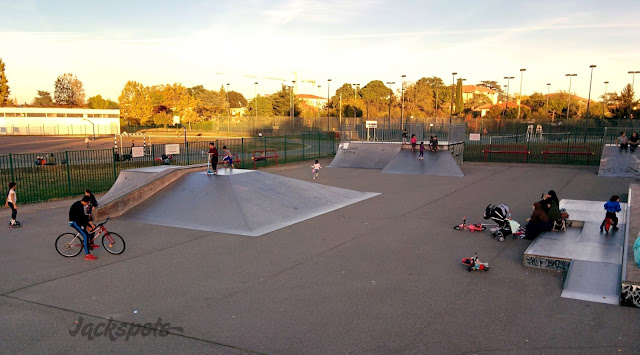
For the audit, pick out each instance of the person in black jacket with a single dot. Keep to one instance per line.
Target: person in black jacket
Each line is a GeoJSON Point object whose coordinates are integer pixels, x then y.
{"type": "Point", "coordinates": [81, 222]}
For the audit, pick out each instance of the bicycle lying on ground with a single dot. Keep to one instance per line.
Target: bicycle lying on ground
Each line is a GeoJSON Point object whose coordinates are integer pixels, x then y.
{"type": "Point", "coordinates": [474, 227]}
{"type": "Point", "coordinates": [71, 244]}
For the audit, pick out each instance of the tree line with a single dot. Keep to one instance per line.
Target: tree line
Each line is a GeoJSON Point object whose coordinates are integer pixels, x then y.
{"type": "Point", "coordinates": [427, 97]}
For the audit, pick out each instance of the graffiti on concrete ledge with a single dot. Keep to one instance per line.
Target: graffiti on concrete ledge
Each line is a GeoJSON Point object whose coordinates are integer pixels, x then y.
{"type": "Point", "coordinates": [630, 295]}
{"type": "Point", "coordinates": [546, 263]}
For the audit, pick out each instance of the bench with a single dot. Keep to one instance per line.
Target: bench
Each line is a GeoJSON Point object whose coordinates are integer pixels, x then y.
{"type": "Point", "coordinates": [234, 156]}
{"type": "Point", "coordinates": [258, 155]}
{"type": "Point", "coordinates": [505, 149]}
{"type": "Point", "coordinates": [561, 149]}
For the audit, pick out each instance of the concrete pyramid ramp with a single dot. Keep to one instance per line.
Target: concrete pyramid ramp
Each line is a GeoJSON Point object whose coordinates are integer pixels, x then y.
{"type": "Point", "coordinates": [244, 202]}
{"type": "Point", "coordinates": [131, 179]}
{"type": "Point", "coordinates": [435, 163]}
{"type": "Point", "coordinates": [364, 155]}
{"type": "Point", "coordinates": [616, 164]}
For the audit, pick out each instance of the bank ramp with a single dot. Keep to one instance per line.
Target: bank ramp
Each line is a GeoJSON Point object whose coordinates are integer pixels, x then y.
{"type": "Point", "coordinates": [363, 155]}
{"type": "Point", "coordinates": [439, 163]}
{"type": "Point", "coordinates": [614, 163]}
{"type": "Point", "coordinates": [244, 202]}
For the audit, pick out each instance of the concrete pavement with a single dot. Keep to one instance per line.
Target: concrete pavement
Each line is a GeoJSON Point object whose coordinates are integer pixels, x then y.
{"type": "Point", "coordinates": [379, 276]}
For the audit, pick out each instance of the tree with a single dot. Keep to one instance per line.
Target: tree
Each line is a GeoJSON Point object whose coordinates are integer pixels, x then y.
{"type": "Point", "coordinates": [236, 99]}
{"type": "Point", "coordinates": [68, 90]}
{"type": "Point", "coordinates": [490, 84]}
{"type": "Point", "coordinates": [135, 103]}
{"type": "Point", "coordinates": [420, 98]}
{"type": "Point", "coordinates": [97, 102]}
{"type": "Point", "coordinates": [4, 86]}
{"type": "Point", "coordinates": [162, 118]}
{"type": "Point", "coordinates": [281, 101]}
{"type": "Point", "coordinates": [375, 96]}
{"type": "Point", "coordinates": [476, 101]}
{"type": "Point", "coordinates": [43, 99]}
{"type": "Point", "coordinates": [459, 100]}
{"type": "Point", "coordinates": [209, 103]}
{"type": "Point", "coordinates": [626, 101]}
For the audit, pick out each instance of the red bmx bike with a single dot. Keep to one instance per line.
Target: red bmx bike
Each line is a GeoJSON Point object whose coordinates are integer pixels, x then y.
{"type": "Point", "coordinates": [71, 244]}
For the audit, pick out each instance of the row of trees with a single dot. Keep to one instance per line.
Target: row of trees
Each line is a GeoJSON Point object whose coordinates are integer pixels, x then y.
{"type": "Point", "coordinates": [426, 97]}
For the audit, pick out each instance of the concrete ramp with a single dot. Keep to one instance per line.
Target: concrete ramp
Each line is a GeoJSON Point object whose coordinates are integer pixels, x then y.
{"type": "Point", "coordinates": [613, 163]}
{"type": "Point", "coordinates": [245, 202]}
{"type": "Point", "coordinates": [364, 155]}
{"type": "Point", "coordinates": [592, 259]}
{"type": "Point", "coordinates": [439, 163]}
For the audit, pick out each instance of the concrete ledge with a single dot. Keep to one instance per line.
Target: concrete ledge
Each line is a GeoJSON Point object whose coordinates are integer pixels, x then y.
{"type": "Point", "coordinates": [630, 291]}
{"type": "Point", "coordinates": [120, 202]}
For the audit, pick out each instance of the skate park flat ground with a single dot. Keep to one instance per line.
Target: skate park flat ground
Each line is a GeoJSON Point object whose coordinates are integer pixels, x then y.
{"type": "Point", "coordinates": [380, 276]}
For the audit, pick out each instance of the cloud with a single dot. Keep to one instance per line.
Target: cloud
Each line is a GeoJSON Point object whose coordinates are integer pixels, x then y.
{"type": "Point", "coordinates": [318, 11]}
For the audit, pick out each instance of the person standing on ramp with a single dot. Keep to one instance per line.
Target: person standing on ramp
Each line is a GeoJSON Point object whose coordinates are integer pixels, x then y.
{"type": "Point", "coordinates": [404, 136]}
{"type": "Point", "coordinates": [213, 158]}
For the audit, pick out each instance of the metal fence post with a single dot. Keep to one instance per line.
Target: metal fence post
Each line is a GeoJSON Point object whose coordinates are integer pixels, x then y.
{"type": "Point", "coordinates": [66, 156]}
{"type": "Point", "coordinates": [285, 149]}
{"type": "Point", "coordinates": [13, 178]}
{"type": "Point", "coordinates": [302, 135]}
{"type": "Point", "coordinates": [242, 151]}
{"type": "Point", "coordinates": [113, 161]}
{"type": "Point", "coordinates": [187, 148]}
{"type": "Point", "coordinates": [319, 145]}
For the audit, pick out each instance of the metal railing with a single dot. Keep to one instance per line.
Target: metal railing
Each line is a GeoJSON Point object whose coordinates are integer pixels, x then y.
{"type": "Point", "coordinates": [53, 175]}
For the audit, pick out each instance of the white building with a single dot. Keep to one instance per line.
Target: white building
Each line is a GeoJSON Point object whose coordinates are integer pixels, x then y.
{"type": "Point", "coordinates": [37, 121]}
{"type": "Point", "coordinates": [313, 100]}
{"type": "Point", "coordinates": [469, 91]}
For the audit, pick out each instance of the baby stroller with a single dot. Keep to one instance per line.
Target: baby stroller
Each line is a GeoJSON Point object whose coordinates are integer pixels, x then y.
{"type": "Point", "coordinates": [506, 226]}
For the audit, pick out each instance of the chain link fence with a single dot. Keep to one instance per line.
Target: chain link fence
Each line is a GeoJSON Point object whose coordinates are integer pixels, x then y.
{"type": "Point", "coordinates": [52, 175]}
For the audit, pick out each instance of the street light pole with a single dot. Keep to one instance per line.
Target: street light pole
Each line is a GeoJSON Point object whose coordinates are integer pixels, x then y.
{"type": "Point", "coordinates": [586, 118]}
{"type": "Point", "coordinates": [547, 106]}
{"type": "Point", "coordinates": [453, 85]}
{"type": "Point", "coordinates": [569, 100]}
{"type": "Point", "coordinates": [328, 83]}
{"type": "Point", "coordinates": [390, 95]}
{"type": "Point", "coordinates": [402, 106]}
{"type": "Point", "coordinates": [255, 90]}
{"type": "Point", "coordinates": [228, 110]}
{"type": "Point", "coordinates": [604, 99]}
{"type": "Point", "coordinates": [633, 86]}
{"type": "Point", "coordinates": [520, 94]}
{"type": "Point", "coordinates": [506, 104]}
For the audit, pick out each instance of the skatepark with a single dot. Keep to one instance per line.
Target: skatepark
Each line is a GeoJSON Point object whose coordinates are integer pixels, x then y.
{"type": "Point", "coordinates": [361, 260]}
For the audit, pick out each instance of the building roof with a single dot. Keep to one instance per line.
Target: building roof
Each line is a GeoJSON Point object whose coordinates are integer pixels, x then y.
{"type": "Point", "coordinates": [308, 96]}
{"type": "Point", "coordinates": [473, 88]}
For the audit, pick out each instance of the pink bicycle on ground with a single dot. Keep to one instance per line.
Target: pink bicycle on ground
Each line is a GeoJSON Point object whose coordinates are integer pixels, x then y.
{"type": "Point", "coordinates": [473, 227]}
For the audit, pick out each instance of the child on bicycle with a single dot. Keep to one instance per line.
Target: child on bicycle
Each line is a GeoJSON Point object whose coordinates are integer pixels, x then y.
{"type": "Point", "coordinates": [612, 207]}
{"type": "Point", "coordinates": [81, 223]}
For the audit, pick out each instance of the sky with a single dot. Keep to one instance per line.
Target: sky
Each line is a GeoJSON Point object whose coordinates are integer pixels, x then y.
{"type": "Point", "coordinates": [240, 42]}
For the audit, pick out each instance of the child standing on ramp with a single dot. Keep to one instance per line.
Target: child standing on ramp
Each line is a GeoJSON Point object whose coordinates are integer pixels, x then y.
{"type": "Point", "coordinates": [421, 155]}
{"type": "Point", "coordinates": [315, 168]}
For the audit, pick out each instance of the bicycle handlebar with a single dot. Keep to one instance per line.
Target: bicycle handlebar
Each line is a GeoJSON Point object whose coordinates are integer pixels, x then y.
{"type": "Point", "coordinates": [103, 223]}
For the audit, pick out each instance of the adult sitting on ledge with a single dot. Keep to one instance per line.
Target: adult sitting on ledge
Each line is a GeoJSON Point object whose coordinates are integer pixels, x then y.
{"type": "Point", "coordinates": [538, 223]}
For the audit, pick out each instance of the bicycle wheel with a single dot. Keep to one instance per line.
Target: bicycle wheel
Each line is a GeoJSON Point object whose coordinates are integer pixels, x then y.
{"type": "Point", "coordinates": [113, 243]}
{"type": "Point", "coordinates": [457, 227]}
{"type": "Point", "coordinates": [68, 245]}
